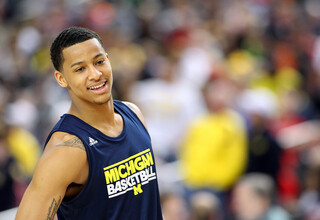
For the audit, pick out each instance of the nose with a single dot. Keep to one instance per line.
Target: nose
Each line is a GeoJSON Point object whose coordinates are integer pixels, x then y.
{"type": "Point", "coordinates": [94, 73]}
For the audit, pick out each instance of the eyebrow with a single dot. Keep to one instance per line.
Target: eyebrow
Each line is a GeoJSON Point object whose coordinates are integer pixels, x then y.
{"type": "Point", "coordinates": [81, 62]}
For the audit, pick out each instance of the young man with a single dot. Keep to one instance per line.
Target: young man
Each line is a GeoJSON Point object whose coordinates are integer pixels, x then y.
{"type": "Point", "coordinates": [97, 162]}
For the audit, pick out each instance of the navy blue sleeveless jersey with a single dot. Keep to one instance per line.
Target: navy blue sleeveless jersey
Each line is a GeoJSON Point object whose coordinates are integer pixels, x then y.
{"type": "Point", "coordinates": [122, 181]}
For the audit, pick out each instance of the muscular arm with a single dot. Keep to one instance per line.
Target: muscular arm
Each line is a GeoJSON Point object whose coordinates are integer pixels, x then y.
{"type": "Point", "coordinates": [61, 164]}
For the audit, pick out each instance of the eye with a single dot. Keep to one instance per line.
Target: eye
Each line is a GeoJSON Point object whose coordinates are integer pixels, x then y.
{"type": "Point", "coordinates": [99, 62]}
{"type": "Point", "coordinates": [80, 69]}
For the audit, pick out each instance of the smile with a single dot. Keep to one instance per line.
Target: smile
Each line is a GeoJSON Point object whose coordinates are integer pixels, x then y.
{"type": "Point", "coordinates": [98, 86]}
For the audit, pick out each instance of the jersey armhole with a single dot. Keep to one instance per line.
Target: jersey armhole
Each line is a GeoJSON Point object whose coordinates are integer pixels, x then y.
{"type": "Point", "coordinates": [135, 115]}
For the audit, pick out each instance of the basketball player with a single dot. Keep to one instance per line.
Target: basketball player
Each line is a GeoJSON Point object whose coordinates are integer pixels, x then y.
{"type": "Point", "coordinates": [98, 161]}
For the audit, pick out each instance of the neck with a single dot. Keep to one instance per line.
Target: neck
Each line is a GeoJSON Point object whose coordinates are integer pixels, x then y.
{"type": "Point", "coordinates": [94, 114]}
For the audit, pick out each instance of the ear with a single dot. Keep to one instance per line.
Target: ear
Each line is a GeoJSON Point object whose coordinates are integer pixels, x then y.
{"type": "Point", "coordinates": [107, 55]}
{"type": "Point", "coordinates": [60, 79]}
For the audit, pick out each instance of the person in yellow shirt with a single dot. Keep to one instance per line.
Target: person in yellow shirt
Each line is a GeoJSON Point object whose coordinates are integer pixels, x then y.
{"type": "Point", "coordinates": [214, 153]}
{"type": "Point", "coordinates": [25, 148]}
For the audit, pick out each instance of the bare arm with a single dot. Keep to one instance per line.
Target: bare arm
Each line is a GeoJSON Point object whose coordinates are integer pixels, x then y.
{"type": "Point", "coordinates": [61, 164]}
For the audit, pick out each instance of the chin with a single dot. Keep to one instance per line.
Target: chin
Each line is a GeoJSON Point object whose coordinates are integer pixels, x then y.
{"type": "Point", "coordinates": [102, 101]}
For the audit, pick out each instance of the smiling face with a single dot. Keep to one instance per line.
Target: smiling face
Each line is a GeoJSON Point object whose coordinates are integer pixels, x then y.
{"type": "Point", "coordinates": [86, 72]}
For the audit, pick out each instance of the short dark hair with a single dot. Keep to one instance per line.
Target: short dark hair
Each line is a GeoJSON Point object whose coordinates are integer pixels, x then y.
{"type": "Point", "coordinates": [67, 38]}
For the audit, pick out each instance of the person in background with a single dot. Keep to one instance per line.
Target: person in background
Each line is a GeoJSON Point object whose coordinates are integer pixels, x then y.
{"type": "Point", "coordinates": [205, 206]}
{"type": "Point", "coordinates": [252, 198]}
{"type": "Point", "coordinates": [173, 206]}
{"type": "Point", "coordinates": [7, 163]}
{"type": "Point", "coordinates": [214, 152]}
{"type": "Point", "coordinates": [259, 107]}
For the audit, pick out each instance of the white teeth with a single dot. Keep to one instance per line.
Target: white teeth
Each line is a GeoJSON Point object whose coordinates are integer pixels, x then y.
{"type": "Point", "coordinates": [97, 87]}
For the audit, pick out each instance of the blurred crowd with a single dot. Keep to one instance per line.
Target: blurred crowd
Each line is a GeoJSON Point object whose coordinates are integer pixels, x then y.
{"type": "Point", "coordinates": [230, 91]}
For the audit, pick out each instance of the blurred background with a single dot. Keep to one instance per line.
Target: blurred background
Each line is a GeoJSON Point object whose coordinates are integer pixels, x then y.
{"type": "Point", "coordinates": [230, 90]}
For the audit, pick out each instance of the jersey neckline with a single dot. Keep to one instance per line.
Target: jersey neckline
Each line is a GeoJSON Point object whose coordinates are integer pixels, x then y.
{"type": "Point", "coordinates": [100, 133]}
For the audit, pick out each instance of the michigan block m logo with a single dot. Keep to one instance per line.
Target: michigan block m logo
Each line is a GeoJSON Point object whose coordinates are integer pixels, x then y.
{"type": "Point", "coordinates": [137, 189]}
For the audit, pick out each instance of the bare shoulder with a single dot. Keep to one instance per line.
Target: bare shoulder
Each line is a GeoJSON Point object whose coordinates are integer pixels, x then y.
{"type": "Point", "coordinates": [132, 106]}
{"type": "Point", "coordinates": [63, 162]}
{"type": "Point", "coordinates": [67, 153]}
{"type": "Point", "coordinates": [136, 110]}
{"type": "Point", "coordinates": [62, 140]}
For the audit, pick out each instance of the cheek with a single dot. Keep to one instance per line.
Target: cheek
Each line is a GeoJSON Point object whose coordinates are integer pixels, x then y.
{"type": "Point", "coordinates": [77, 83]}
{"type": "Point", "coordinates": [111, 79]}
{"type": "Point", "coordinates": [109, 72]}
